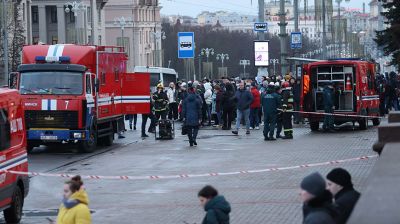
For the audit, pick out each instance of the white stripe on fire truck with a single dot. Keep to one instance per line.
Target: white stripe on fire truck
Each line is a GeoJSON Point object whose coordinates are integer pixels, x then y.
{"type": "Point", "coordinates": [55, 50]}
{"type": "Point", "coordinates": [14, 162]}
{"type": "Point", "coordinates": [48, 104]}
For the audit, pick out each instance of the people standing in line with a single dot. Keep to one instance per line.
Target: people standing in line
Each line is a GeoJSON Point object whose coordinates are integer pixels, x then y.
{"type": "Point", "coordinates": [191, 112]}
{"type": "Point", "coordinates": [216, 105]}
{"type": "Point", "coordinates": [279, 116]}
{"type": "Point", "coordinates": [270, 103]}
{"type": "Point", "coordinates": [328, 96]}
{"type": "Point", "coordinates": [287, 107]}
{"type": "Point", "coordinates": [172, 95]}
{"type": "Point", "coordinates": [255, 107]}
{"type": "Point", "coordinates": [182, 93]}
{"type": "Point", "coordinates": [345, 196]}
{"type": "Point", "coordinates": [208, 99]}
{"type": "Point", "coordinates": [228, 106]}
{"type": "Point", "coordinates": [160, 102]}
{"type": "Point", "coordinates": [317, 201]}
{"type": "Point", "coordinates": [216, 206]}
{"type": "Point", "coordinates": [74, 208]}
{"type": "Point", "coordinates": [244, 100]}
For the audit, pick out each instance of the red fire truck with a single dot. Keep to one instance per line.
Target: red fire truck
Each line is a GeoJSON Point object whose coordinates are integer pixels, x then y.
{"type": "Point", "coordinates": [355, 91]}
{"type": "Point", "coordinates": [78, 94]}
{"type": "Point", "coordinates": [13, 156]}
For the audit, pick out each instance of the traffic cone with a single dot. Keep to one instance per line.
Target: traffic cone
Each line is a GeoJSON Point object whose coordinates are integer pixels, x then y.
{"type": "Point", "coordinates": [348, 84]}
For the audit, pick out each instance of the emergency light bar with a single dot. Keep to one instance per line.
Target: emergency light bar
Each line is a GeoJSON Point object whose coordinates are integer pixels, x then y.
{"type": "Point", "coordinates": [61, 59]}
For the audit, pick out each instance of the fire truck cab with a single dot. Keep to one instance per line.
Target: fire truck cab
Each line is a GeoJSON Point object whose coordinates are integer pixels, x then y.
{"type": "Point", "coordinates": [78, 94]}
{"type": "Point", "coordinates": [13, 156]}
{"type": "Point", "coordinates": [354, 90]}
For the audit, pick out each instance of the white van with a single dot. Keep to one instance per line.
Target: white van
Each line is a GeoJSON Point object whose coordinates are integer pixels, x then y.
{"type": "Point", "coordinates": [157, 74]}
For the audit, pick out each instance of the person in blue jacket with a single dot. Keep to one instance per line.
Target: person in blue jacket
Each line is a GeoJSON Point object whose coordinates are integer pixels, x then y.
{"type": "Point", "coordinates": [270, 102]}
{"type": "Point", "coordinates": [216, 207]}
{"type": "Point", "coordinates": [192, 114]}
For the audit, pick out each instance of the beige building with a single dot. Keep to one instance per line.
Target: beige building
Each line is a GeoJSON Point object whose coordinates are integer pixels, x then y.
{"type": "Point", "coordinates": [140, 28]}
{"type": "Point", "coordinates": [63, 21]}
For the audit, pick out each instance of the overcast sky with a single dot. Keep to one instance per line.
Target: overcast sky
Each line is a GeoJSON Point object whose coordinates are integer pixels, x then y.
{"type": "Point", "coordinates": [194, 7]}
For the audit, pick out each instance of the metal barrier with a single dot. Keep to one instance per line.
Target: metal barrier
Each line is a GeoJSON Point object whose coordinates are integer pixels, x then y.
{"type": "Point", "coordinates": [379, 202]}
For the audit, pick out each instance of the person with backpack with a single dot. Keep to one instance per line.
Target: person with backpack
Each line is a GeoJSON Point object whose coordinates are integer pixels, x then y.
{"type": "Point", "coordinates": [216, 206]}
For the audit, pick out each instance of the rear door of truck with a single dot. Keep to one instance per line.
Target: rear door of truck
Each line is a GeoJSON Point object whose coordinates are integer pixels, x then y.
{"type": "Point", "coordinates": [135, 93]}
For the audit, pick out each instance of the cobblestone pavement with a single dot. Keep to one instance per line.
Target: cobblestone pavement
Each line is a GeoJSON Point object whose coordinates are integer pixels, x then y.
{"type": "Point", "coordinates": [269, 197]}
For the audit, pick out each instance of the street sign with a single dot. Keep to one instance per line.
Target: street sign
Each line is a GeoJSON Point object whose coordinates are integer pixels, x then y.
{"type": "Point", "coordinates": [261, 53]}
{"type": "Point", "coordinates": [185, 45]}
{"type": "Point", "coordinates": [261, 27]}
{"type": "Point", "coordinates": [295, 40]}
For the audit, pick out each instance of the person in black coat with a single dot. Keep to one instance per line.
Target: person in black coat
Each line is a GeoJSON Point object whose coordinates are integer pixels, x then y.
{"type": "Point", "coordinates": [341, 187]}
{"type": "Point", "coordinates": [228, 106]}
{"type": "Point", "coordinates": [215, 205]}
{"type": "Point", "coordinates": [317, 201]}
{"type": "Point", "coordinates": [192, 114]}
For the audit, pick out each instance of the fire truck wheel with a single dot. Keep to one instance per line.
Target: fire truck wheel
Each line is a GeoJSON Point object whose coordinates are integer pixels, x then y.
{"type": "Point", "coordinates": [314, 125]}
{"type": "Point", "coordinates": [363, 123]}
{"type": "Point", "coordinates": [13, 214]}
{"type": "Point", "coordinates": [376, 121]}
{"type": "Point", "coordinates": [89, 145]}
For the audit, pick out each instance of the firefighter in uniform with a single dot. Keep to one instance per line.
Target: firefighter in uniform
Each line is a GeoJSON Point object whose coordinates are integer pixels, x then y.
{"type": "Point", "coordinates": [278, 91]}
{"type": "Point", "coordinates": [270, 101]}
{"type": "Point", "coordinates": [287, 107]}
{"type": "Point", "coordinates": [160, 99]}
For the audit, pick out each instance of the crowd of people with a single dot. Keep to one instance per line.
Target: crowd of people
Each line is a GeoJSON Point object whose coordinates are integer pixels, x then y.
{"type": "Point", "coordinates": [388, 86]}
{"type": "Point", "coordinates": [329, 200]}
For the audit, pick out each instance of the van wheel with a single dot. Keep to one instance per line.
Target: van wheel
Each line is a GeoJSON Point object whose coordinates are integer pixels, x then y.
{"type": "Point", "coordinates": [89, 145]}
{"type": "Point", "coordinates": [314, 125]}
{"type": "Point", "coordinates": [363, 123]}
{"type": "Point", "coordinates": [376, 121]}
{"type": "Point", "coordinates": [13, 214]}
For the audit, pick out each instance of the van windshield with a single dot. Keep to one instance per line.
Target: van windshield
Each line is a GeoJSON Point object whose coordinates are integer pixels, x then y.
{"type": "Point", "coordinates": [51, 83]}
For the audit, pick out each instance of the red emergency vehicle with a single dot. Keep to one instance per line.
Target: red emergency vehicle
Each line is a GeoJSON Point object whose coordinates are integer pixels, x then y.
{"type": "Point", "coordinates": [13, 156]}
{"type": "Point", "coordinates": [74, 93]}
{"type": "Point", "coordinates": [355, 90]}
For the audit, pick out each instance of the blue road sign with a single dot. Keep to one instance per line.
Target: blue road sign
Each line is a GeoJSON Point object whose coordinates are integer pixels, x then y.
{"type": "Point", "coordinates": [185, 45]}
{"type": "Point", "coordinates": [261, 27]}
{"type": "Point", "coordinates": [296, 40]}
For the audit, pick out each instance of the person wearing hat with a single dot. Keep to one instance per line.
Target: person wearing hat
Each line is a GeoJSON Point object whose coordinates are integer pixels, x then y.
{"type": "Point", "coordinates": [160, 102]}
{"type": "Point", "coordinates": [270, 102]}
{"type": "Point", "coordinates": [317, 201]}
{"type": "Point", "coordinates": [340, 185]}
{"type": "Point", "coordinates": [328, 97]}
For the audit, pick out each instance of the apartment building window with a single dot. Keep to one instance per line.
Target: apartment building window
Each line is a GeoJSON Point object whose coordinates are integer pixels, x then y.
{"type": "Point", "coordinates": [23, 11]}
{"type": "Point", "coordinates": [54, 40]}
{"type": "Point", "coordinates": [35, 14]}
{"type": "Point", "coordinates": [53, 14]}
{"type": "Point", "coordinates": [89, 14]}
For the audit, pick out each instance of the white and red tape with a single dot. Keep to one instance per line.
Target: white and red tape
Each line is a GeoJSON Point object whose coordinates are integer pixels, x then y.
{"type": "Point", "coordinates": [182, 176]}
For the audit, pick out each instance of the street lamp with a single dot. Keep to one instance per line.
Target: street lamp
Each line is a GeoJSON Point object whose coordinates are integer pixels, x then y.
{"type": "Point", "coordinates": [207, 52]}
{"type": "Point", "coordinates": [76, 7]}
{"type": "Point", "coordinates": [275, 61]}
{"type": "Point", "coordinates": [244, 63]}
{"type": "Point", "coordinates": [122, 22]}
{"type": "Point", "coordinates": [340, 26]}
{"type": "Point", "coordinates": [157, 35]}
{"type": "Point", "coordinates": [222, 57]}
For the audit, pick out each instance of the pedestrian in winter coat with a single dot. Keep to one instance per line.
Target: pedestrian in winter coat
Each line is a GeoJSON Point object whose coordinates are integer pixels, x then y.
{"type": "Point", "coordinates": [191, 112]}
{"type": "Point", "coordinates": [228, 106]}
{"type": "Point", "coordinates": [345, 197]}
{"type": "Point", "coordinates": [208, 99]}
{"type": "Point", "coordinates": [172, 95]}
{"type": "Point", "coordinates": [216, 105]}
{"type": "Point", "coordinates": [74, 208]}
{"type": "Point", "coordinates": [216, 207]}
{"type": "Point", "coordinates": [182, 93]}
{"type": "Point", "coordinates": [244, 100]}
{"type": "Point", "coordinates": [270, 103]}
{"type": "Point", "coordinates": [317, 201]}
{"type": "Point", "coordinates": [255, 107]}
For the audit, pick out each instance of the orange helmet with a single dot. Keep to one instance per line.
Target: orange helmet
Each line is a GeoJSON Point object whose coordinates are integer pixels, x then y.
{"type": "Point", "coordinates": [285, 84]}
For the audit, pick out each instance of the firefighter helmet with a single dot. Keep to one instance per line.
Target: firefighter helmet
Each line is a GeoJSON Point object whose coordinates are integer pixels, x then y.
{"type": "Point", "coordinates": [285, 84]}
{"type": "Point", "coordinates": [160, 85]}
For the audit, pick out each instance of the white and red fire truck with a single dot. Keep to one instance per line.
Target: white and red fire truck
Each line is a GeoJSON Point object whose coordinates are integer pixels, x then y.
{"type": "Point", "coordinates": [355, 91]}
{"type": "Point", "coordinates": [13, 156]}
{"type": "Point", "coordinates": [79, 94]}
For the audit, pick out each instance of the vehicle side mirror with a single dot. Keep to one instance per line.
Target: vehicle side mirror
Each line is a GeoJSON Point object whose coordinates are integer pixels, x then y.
{"type": "Point", "coordinates": [13, 78]}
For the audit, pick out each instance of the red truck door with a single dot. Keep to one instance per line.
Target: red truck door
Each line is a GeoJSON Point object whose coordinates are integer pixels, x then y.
{"type": "Point", "coordinates": [135, 93]}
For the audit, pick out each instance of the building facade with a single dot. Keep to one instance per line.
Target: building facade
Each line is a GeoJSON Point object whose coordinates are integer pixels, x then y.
{"type": "Point", "coordinates": [141, 33]}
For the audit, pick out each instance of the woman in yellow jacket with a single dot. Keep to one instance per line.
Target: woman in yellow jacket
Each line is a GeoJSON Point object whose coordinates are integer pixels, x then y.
{"type": "Point", "coordinates": [74, 209]}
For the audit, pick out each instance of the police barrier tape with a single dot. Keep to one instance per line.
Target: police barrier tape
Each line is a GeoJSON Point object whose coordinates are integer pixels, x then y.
{"type": "Point", "coordinates": [333, 114]}
{"type": "Point", "coordinates": [182, 176]}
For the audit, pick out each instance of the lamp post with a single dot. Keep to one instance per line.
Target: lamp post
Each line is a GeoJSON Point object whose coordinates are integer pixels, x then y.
{"type": "Point", "coordinates": [157, 35]}
{"type": "Point", "coordinates": [222, 57]}
{"type": "Point", "coordinates": [274, 61]}
{"type": "Point", "coordinates": [244, 63]}
{"type": "Point", "coordinates": [207, 52]}
{"type": "Point", "coordinates": [340, 27]}
{"type": "Point", "coordinates": [76, 7]}
{"type": "Point", "coordinates": [122, 22]}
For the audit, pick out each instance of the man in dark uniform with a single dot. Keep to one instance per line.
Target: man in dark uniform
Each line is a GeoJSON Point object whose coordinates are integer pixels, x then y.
{"type": "Point", "coordinates": [287, 107]}
{"type": "Point", "coordinates": [160, 102]}
{"type": "Point", "coordinates": [328, 96]}
{"type": "Point", "coordinates": [270, 103]}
